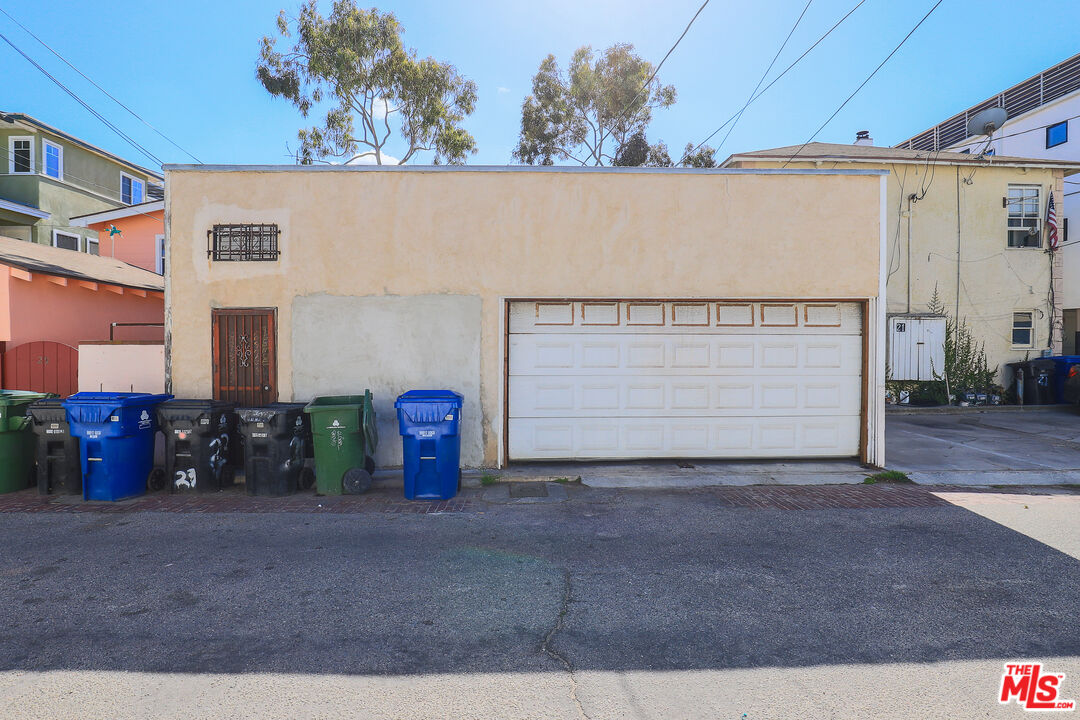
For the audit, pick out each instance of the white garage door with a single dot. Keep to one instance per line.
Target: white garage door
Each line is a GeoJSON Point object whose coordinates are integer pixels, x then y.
{"type": "Point", "coordinates": [636, 379]}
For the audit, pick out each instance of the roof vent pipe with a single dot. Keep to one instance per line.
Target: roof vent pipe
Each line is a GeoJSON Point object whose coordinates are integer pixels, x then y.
{"type": "Point", "coordinates": [862, 137]}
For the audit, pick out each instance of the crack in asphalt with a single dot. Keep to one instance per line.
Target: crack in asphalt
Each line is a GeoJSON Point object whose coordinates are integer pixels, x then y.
{"type": "Point", "coordinates": [547, 649]}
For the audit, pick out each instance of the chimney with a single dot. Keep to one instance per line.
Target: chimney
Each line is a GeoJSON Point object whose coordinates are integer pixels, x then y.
{"type": "Point", "coordinates": [862, 137]}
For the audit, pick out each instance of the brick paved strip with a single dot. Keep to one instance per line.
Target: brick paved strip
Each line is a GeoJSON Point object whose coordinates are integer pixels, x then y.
{"type": "Point", "coordinates": [28, 501]}
{"type": "Point", "coordinates": [752, 497]}
{"type": "Point", "coordinates": [825, 497]}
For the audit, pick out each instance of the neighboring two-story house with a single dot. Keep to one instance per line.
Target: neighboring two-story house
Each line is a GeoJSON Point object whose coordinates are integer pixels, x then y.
{"type": "Point", "coordinates": [48, 177]}
{"type": "Point", "coordinates": [969, 228]}
{"type": "Point", "coordinates": [1041, 112]}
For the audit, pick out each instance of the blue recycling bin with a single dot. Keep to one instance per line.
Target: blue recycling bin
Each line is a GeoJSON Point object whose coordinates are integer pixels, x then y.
{"type": "Point", "coordinates": [1066, 367]}
{"type": "Point", "coordinates": [429, 422]}
{"type": "Point", "coordinates": [116, 433]}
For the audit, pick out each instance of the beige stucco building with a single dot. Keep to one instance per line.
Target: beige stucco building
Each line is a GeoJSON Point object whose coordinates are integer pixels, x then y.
{"type": "Point", "coordinates": [949, 216]}
{"type": "Point", "coordinates": [583, 313]}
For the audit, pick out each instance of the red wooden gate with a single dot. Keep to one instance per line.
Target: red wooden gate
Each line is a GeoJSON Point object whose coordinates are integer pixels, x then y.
{"type": "Point", "coordinates": [42, 367]}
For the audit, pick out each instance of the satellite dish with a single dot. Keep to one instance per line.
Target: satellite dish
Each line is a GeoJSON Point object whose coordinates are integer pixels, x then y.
{"type": "Point", "coordinates": [985, 122]}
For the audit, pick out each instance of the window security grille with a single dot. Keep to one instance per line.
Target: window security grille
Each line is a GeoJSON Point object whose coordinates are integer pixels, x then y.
{"type": "Point", "coordinates": [243, 242]}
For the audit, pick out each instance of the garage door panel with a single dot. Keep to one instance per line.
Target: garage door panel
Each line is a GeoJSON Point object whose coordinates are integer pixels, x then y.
{"type": "Point", "coordinates": [628, 438]}
{"type": "Point", "coordinates": [636, 379]}
{"type": "Point", "coordinates": [640, 317]}
{"type": "Point", "coordinates": [588, 396]}
{"type": "Point", "coordinates": [584, 354]}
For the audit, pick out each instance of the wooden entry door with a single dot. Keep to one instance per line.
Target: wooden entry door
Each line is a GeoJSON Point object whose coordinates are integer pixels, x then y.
{"type": "Point", "coordinates": [245, 356]}
{"type": "Point", "coordinates": [42, 367]}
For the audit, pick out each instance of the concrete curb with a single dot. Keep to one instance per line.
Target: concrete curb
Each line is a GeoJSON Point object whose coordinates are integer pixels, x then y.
{"type": "Point", "coordinates": [974, 409]}
{"type": "Point", "coordinates": [984, 478]}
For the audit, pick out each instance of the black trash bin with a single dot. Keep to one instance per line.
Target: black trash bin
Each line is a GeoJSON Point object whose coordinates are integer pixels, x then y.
{"type": "Point", "coordinates": [1039, 381]}
{"type": "Point", "coordinates": [199, 436]}
{"type": "Point", "coordinates": [57, 450]}
{"type": "Point", "coordinates": [277, 439]}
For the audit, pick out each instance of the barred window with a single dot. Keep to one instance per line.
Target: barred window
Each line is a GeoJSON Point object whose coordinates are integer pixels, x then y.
{"type": "Point", "coordinates": [243, 242]}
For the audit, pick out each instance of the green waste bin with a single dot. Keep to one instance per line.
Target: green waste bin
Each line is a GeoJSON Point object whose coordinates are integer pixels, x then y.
{"type": "Point", "coordinates": [16, 439]}
{"type": "Point", "coordinates": [343, 428]}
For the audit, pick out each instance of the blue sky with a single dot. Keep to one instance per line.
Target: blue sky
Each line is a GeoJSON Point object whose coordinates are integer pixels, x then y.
{"type": "Point", "coordinates": [188, 67]}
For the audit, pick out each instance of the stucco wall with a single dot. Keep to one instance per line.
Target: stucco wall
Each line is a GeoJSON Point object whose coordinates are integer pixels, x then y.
{"type": "Point", "coordinates": [483, 236]}
{"type": "Point", "coordinates": [994, 280]}
{"type": "Point", "coordinates": [137, 242]}
{"type": "Point", "coordinates": [121, 367]}
{"type": "Point", "coordinates": [399, 342]}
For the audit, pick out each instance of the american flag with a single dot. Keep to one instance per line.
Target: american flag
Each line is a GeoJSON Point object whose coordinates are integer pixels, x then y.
{"type": "Point", "coordinates": [1051, 223]}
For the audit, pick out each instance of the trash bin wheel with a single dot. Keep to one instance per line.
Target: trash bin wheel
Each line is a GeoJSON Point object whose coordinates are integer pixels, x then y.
{"type": "Point", "coordinates": [156, 480]}
{"type": "Point", "coordinates": [307, 478]}
{"type": "Point", "coordinates": [356, 481]}
{"type": "Point", "coordinates": [369, 464]}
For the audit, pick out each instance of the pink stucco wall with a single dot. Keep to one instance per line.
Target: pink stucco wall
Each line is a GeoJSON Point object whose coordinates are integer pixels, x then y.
{"type": "Point", "coordinates": [137, 242]}
{"type": "Point", "coordinates": [39, 309]}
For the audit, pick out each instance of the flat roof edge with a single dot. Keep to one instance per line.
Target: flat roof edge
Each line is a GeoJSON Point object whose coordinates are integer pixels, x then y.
{"type": "Point", "coordinates": [512, 169]}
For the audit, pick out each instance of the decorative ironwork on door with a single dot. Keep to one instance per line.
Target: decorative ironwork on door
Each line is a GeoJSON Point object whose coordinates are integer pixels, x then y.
{"type": "Point", "coordinates": [245, 359]}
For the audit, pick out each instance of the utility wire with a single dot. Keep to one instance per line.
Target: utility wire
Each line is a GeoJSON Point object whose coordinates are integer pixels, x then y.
{"type": "Point", "coordinates": [864, 82]}
{"type": "Point", "coordinates": [738, 116]}
{"type": "Point", "coordinates": [106, 92]}
{"type": "Point", "coordinates": [1019, 132]}
{"type": "Point", "coordinates": [645, 86]}
{"type": "Point", "coordinates": [79, 100]}
{"type": "Point", "coordinates": [773, 81]}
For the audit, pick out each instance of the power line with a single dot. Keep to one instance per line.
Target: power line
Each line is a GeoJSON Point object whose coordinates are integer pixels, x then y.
{"type": "Point", "coordinates": [79, 100]}
{"type": "Point", "coordinates": [652, 77]}
{"type": "Point", "coordinates": [864, 82]}
{"type": "Point", "coordinates": [764, 75]}
{"type": "Point", "coordinates": [107, 93]}
{"type": "Point", "coordinates": [774, 80]}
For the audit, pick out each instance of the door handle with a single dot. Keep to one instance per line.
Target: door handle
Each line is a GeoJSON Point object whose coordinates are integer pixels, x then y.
{"type": "Point", "coordinates": [266, 388]}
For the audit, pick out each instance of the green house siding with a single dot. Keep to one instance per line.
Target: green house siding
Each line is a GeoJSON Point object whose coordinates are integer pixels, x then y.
{"type": "Point", "coordinates": [91, 183]}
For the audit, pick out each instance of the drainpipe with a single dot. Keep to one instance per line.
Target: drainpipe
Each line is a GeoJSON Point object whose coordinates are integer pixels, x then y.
{"type": "Point", "coordinates": [909, 199]}
{"type": "Point", "coordinates": [957, 316]}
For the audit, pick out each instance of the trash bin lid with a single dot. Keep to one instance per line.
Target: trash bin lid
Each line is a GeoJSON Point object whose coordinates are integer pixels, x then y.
{"type": "Point", "coordinates": [21, 397]}
{"type": "Point", "coordinates": [117, 399]}
{"type": "Point", "coordinates": [338, 402]}
{"type": "Point", "coordinates": [415, 397]}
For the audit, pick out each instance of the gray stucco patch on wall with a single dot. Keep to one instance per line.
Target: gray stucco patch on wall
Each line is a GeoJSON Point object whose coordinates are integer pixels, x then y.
{"type": "Point", "coordinates": [342, 345]}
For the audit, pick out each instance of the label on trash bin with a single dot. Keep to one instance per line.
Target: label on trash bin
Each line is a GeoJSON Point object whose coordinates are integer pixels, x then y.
{"type": "Point", "coordinates": [93, 434]}
{"type": "Point", "coordinates": [114, 418]}
{"type": "Point", "coordinates": [144, 421]}
{"type": "Point", "coordinates": [182, 434]}
{"type": "Point", "coordinates": [204, 421]}
{"type": "Point", "coordinates": [54, 425]}
{"type": "Point", "coordinates": [260, 435]}
{"type": "Point", "coordinates": [54, 432]}
{"type": "Point", "coordinates": [260, 425]}
{"type": "Point", "coordinates": [426, 433]}
{"type": "Point", "coordinates": [449, 417]}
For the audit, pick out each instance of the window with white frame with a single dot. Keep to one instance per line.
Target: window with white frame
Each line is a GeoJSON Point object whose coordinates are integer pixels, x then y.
{"type": "Point", "coordinates": [1023, 329]}
{"type": "Point", "coordinates": [92, 246]}
{"type": "Point", "coordinates": [54, 159]}
{"type": "Point", "coordinates": [131, 189]}
{"type": "Point", "coordinates": [1024, 227]}
{"type": "Point", "coordinates": [64, 240]}
{"type": "Point", "coordinates": [160, 239]}
{"type": "Point", "coordinates": [21, 154]}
